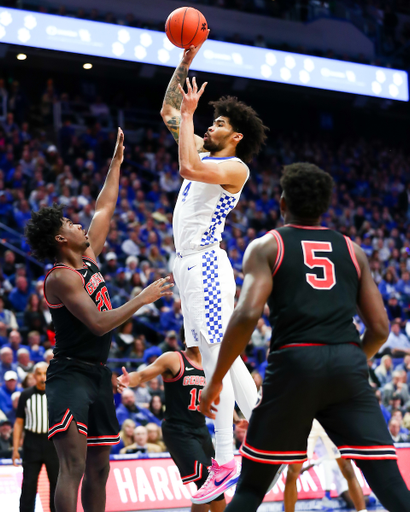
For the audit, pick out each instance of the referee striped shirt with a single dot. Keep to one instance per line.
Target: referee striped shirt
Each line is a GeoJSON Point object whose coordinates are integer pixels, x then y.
{"type": "Point", "coordinates": [32, 407]}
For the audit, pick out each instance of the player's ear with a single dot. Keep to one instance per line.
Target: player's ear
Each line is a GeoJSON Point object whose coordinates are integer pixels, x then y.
{"type": "Point", "coordinates": [59, 239]}
{"type": "Point", "coordinates": [237, 137]}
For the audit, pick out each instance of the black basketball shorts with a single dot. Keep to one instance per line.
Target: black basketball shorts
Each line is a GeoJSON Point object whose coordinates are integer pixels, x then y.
{"type": "Point", "coordinates": [191, 449]}
{"type": "Point", "coordinates": [326, 382]}
{"type": "Point", "coordinates": [81, 392]}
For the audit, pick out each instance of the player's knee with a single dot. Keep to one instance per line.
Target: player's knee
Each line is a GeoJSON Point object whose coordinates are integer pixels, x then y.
{"type": "Point", "coordinates": [98, 473]}
{"type": "Point", "coordinates": [346, 468]}
{"type": "Point", "coordinates": [74, 465]}
{"type": "Point", "coordinates": [293, 471]}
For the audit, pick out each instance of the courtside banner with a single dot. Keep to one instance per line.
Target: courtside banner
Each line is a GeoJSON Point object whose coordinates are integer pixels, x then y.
{"type": "Point", "coordinates": [155, 484]}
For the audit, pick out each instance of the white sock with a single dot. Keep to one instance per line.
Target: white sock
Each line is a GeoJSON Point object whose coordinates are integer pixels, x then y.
{"type": "Point", "coordinates": [364, 510]}
{"type": "Point", "coordinates": [223, 445]}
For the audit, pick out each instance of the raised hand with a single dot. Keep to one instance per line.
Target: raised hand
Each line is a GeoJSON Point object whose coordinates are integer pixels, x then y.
{"type": "Point", "coordinates": [156, 290]}
{"type": "Point", "coordinates": [123, 381]}
{"type": "Point", "coordinates": [191, 97]}
{"type": "Point", "coordinates": [190, 52]}
{"type": "Point", "coordinates": [119, 147]}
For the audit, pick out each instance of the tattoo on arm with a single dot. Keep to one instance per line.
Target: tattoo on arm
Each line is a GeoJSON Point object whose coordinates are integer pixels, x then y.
{"type": "Point", "coordinates": [172, 96]}
{"type": "Point", "coordinates": [173, 127]}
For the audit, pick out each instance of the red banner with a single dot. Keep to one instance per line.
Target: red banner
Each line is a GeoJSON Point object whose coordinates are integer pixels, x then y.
{"type": "Point", "coordinates": [150, 484]}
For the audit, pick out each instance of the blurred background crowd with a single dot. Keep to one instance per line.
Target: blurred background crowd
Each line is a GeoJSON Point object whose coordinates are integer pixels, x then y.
{"type": "Point", "coordinates": [56, 141]}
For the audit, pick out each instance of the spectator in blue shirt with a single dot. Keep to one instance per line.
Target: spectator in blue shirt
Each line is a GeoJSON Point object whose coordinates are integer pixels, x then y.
{"type": "Point", "coordinates": [387, 284]}
{"type": "Point", "coordinates": [20, 294]}
{"type": "Point", "coordinates": [172, 320]}
{"type": "Point", "coordinates": [403, 287]}
{"type": "Point", "coordinates": [6, 362]}
{"type": "Point", "coordinates": [6, 391]}
{"type": "Point", "coordinates": [128, 410]}
{"type": "Point", "coordinates": [14, 343]}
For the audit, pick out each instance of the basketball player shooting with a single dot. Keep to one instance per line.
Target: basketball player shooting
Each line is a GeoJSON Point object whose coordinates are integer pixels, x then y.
{"type": "Point", "coordinates": [82, 419]}
{"type": "Point", "coordinates": [214, 172]}
{"type": "Point", "coordinates": [314, 280]}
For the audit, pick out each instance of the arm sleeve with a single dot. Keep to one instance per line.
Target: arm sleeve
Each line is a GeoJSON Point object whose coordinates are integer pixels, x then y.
{"type": "Point", "coordinates": [21, 407]}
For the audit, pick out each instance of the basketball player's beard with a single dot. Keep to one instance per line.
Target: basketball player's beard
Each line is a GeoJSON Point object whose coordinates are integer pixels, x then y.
{"type": "Point", "coordinates": [212, 147]}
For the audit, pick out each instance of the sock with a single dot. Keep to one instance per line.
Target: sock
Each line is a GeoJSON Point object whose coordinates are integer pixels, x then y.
{"type": "Point", "coordinates": [364, 510]}
{"type": "Point", "coordinates": [223, 445]}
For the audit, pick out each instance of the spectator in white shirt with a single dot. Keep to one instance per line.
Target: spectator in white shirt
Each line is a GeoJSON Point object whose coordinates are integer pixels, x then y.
{"type": "Point", "coordinates": [397, 343]}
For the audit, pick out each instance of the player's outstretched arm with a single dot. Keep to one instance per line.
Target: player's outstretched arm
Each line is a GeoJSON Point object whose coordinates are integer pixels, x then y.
{"type": "Point", "coordinates": [106, 201]}
{"type": "Point", "coordinates": [259, 260]}
{"type": "Point", "coordinates": [170, 111]}
{"type": "Point", "coordinates": [370, 308]}
{"type": "Point", "coordinates": [168, 363]}
{"type": "Point", "coordinates": [67, 288]}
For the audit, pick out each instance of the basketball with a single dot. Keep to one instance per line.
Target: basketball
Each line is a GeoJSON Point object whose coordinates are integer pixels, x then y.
{"type": "Point", "coordinates": [186, 27]}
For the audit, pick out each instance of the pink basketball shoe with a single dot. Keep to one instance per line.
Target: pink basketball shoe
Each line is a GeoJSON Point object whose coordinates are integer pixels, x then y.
{"type": "Point", "coordinates": [220, 478]}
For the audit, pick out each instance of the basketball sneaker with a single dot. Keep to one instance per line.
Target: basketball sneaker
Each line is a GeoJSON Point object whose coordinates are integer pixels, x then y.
{"type": "Point", "coordinates": [220, 478]}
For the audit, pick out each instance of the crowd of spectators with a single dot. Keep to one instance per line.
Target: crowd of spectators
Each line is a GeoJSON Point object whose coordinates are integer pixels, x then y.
{"type": "Point", "coordinates": [377, 18]}
{"type": "Point", "coordinates": [370, 205]}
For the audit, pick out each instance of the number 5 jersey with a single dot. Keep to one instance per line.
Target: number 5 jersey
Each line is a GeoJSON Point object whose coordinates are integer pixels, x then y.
{"type": "Point", "coordinates": [315, 286]}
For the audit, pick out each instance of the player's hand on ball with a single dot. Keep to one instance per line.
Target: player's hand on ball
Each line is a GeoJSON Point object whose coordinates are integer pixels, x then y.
{"type": "Point", "coordinates": [191, 97]}
{"type": "Point", "coordinates": [156, 290]}
{"type": "Point", "coordinates": [119, 147]}
{"type": "Point", "coordinates": [123, 381]}
{"type": "Point", "coordinates": [210, 397]}
{"type": "Point", "coordinates": [190, 52]}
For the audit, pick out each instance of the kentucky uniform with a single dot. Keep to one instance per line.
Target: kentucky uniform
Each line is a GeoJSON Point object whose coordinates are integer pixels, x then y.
{"type": "Point", "coordinates": [184, 429]}
{"type": "Point", "coordinates": [316, 367]}
{"type": "Point", "coordinates": [78, 381]}
{"type": "Point", "coordinates": [206, 283]}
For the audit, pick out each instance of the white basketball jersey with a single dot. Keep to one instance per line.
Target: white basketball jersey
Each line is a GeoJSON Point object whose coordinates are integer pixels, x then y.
{"type": "Point", "coordinates": [201, 210]}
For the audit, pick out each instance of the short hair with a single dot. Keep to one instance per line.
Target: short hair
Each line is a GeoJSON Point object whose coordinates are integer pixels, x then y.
{"type": "Point", "coordinates": [41, 231]}
{"type": "Point", "coordinates": [22, 351]}
{"type": "Point", "coordinates": [307, 190]}
{"type": "Point", "coordinates": [40, 364]}
{"type": "Point", "coordinates": [245, 120]}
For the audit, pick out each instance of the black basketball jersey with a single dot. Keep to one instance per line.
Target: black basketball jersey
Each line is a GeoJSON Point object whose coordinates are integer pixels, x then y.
{"type": "Point", "coordinates": [73, 338]}
{"type": "Point", "coordinates": [183, 393]}
{"type": "Point", "coordinates": [315, 287]}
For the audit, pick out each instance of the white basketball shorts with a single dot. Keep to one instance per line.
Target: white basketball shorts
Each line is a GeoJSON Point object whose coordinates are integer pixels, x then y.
{"type": "Point", "coordinates": [207, 288]}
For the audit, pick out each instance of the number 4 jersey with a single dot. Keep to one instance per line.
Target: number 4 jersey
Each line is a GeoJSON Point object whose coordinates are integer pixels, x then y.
{"type": "Point", "coordinates": [315, 285]}
{"type": "Point", "coordinates": [73, 338]}
{"type": "Point", "coordinates": [183, 393]}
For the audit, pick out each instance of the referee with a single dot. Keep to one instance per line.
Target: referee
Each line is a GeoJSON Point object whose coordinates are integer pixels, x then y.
{"type": "Point", "coordinates": [37, 450]}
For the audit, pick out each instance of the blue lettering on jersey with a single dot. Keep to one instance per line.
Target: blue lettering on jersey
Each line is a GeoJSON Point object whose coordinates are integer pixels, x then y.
{"type": "Point", "coordinates": [185, 192]}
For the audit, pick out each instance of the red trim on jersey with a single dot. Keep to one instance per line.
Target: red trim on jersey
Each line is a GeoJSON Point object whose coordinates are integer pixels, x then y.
{"type": "Point", "coordinates": [303, 345]}
{"type": "Point", "coordinates": [353, 255]}
{"type": "Point", "coordinates": [62, 421]}
{"type": "Point", "coordinates": [304, 227]}
{"type": "Point", "coordinates": [267, 461]}
{"type": "Point", "coordinates": [44, 292]}
{"type": "Point", "coordinates": [88, 258]}
{"type": "Point", "coordinates": [368, 457]}
{"type": "Point", "coordinates": [197, 475]}
{"type": "Point", "coordinates": [82, 425]}
{"type": "Point", "coordinates": [193, 364]}
{"type": "Point", "coordinates": [271, 453]}
{"type": "Point", "coordinates": [181, 371]}
{"type": "Point", "coordinates": [281, 250]}
{"type": "Point", "coordinates": [102, 437]}
{"type": "Point", "coordinates": [60, 305]}
{"type": "Point", "coordinates": [378, 447]}
{"type": "Point", "coordinates": [103, 444]}
{"type": "Point", "coordinates": [62, 429]}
